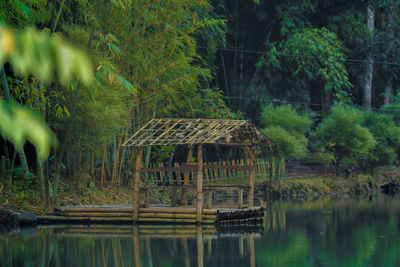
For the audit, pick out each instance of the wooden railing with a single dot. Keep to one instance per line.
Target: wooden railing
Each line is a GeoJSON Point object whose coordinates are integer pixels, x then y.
{"type": "Point", "coordinates": [214, 172]}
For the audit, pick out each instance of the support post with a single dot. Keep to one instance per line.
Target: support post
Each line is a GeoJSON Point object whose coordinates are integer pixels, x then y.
{"type": "Point", "coordinates": [250, 159]}
{"type": "Point", "coordinates": [147, 204]}
{"type": "Point", "coordinates": [186, 178]}
{"type": "Point", "coordinates": [209, 199]}
{"type": "Point", "coordinates": [240, 196]}
{"type": "Point", "coordinates": [199, 207]}
{"type": "Point", "coordinates": [136, 186]}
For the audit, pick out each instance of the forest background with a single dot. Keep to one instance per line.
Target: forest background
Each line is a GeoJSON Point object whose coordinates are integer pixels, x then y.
{"type": "Point", "coordinates": [80, 77]}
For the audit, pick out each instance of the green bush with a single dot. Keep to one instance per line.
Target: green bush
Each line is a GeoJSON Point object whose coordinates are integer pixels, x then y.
{"type": "Point", "coordinates": [386, 134]}
{"type": "Point", "coordinates": [286, 128]}
{"type": "Point", "coordinates": [342, 134]}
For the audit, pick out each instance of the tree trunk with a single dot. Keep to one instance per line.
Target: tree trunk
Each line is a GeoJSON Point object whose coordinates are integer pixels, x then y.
{"type": "Point", "coordinates": [370, 63]}
{"type": "Point", "coordinates": [388, 91]}
{"type": "Point", "coordinates": [389, 82]}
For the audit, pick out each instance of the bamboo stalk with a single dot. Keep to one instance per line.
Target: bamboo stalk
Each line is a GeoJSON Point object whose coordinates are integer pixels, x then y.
{"type": "Point", "coordinates": [224, 171]}
{"type": "Point", "coordinates": [200, 247]}
{"type": "Point", "coordinates": [86, 218]}
{"type": "Point", "coordinates": [121, 164]}
{"type": "Point", "coordinates": [178, 220]}
{"type": "Point", "coordinates": [120, 252]}
{"type": "Point", "coordinates": [102, 164]}
{"type": "Point", "coordinates": [206, 175]}
{"type": "Point", "coordinates": [215, 172]}
{"type": "Point", "coordinates": [187, 174]}
{"type": "Point", "coordinates": [273, 167]}
{"type": "Point", "coordinates": [211, 173]}
{"type": "Point", "coordinates": [117, 155]}
{"type": "Point", "coordinates": [96, 214]}
{"type": "Point", "coordinates": [92, 165]}
{"type": "Point", "coordinates": [234, 172]}
{"type": "Point", "coordinates": [265, 172]}
{"type": "Point", "coordinates": [114, 253]}
{"type": "Point", "coordinates": [96, 209]}
{"type": "Point", "coordinates": [175, 216]}
{"type": "Point", "coordinates": [177, 173]}
{"type": "Point", "coordinates": [136, 188]}
{"type": "Point", "coordinates": [175, 210]}
{"type": "Point", "coordinates": [102, 253]}
{"type": "Point", "coordinates": [241, 164]}
{"type": "Point", "coordinates": [199, 206]}
{"type": "Point", "coordinates": [136, 246]}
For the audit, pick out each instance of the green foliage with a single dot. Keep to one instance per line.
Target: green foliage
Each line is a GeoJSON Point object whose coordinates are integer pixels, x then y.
{"type": "Point", "coordinates": [18, 124]}
{"type": "Point", "coordinates": [286, 128]}
{"type": "Point", "coordinates": [342, 133]}
{"type": "Point", "coordinates": [315, 54]}
{"type": "Point", "coordinates": [387, 135]}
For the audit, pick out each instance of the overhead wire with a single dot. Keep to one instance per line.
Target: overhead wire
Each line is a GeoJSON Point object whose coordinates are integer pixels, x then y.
{"type": "Point", "coordinates": [300, 55]}
{"type": "Point", "coordinates": [271, 101]}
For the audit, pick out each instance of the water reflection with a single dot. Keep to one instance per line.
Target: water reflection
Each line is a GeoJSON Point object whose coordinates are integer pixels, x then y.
{"type": "Point", "coordinates": [362, 232]}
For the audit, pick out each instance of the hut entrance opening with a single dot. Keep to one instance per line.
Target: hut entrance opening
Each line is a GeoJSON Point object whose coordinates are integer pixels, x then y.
{"type": "Point", "coordinates": [196, 133]}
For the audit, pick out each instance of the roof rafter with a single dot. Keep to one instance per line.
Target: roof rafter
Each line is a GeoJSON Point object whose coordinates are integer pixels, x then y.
{"type": "Point", "coordinates": [197, 131]}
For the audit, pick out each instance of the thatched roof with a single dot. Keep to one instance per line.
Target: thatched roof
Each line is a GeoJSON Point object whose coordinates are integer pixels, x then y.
{"type": "Point", "coordinates": [163, 132]}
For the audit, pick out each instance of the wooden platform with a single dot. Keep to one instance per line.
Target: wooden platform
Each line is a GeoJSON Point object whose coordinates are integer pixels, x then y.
{"type": "Point", "coordinates": [153, 215]}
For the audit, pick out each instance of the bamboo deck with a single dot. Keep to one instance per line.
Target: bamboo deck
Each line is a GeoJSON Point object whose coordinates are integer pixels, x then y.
{"type": "Point", "coordinates": [153, 215]}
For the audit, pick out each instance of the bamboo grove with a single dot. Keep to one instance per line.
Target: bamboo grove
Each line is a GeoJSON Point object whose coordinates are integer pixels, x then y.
{"type": "Point", "coordinates": [143, 55]}
{"type": "Point", "coordinates": [79, 77]}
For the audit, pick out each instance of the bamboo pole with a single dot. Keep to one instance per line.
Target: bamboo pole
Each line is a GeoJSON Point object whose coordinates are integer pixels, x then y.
{"type": "Point", "coordinates": [250, 159]}
{"type": "Point", "coordinates": [176, 210]}
{"type": "Point", "coordinates": [241, 164]}
{"type": "Point", "coordinates": [186, 178]}
{"type": "Point", "coordinates": [102, 253]}
{"type": "Point", "coordinates": [240, 196]}
{"type": "Point", "coordinates": [147, 199]}
{"type": "Point", "coordinates": [200, 248]}
{"type": "Point", "coordinates": [215, 172]}
{"type": "Point", "coordinates": [265, 172]}
{"type": "Point", "coordinates": [120, 252]}
{"type": "Point", "coordinates": [186, 252]}
{"type": "Point", "coordinates": [206, 175]}
{"type": "Point", "coordinates": [114, 253]}
{"type": "Point", "coordinates": [136, 184]}
{"type": "Point", "coordinates": [234, 172]}
{"type": "Point", "coordinates": [212, 174]}
{"type": "Point", "coordinates": [97, 214]}
{"type": "Point", "coordinates": [199, 207]}
{"type": "Point", "coordinates": [136, 245]}
{"type": "Point", "coordinates": [92, 164]}
{"type": "Point", "coordinates": [102, 164]}
{"type": "Point", "coordinates": [209, 200]}
{"type": "Point", "coordinates": [252, 251]}
{"type": "Point", "coordinates": [117, 155]}
{"type": "Point", "coordinates": [224, 171]}
{"type": "Point", "coordinates": [177, 173]}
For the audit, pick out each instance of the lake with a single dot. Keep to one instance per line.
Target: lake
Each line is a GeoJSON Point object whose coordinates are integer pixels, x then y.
{"type": "Point", "coordinates": [325, 232]}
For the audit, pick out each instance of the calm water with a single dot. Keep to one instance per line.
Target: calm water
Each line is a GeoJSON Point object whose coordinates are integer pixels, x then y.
{"type": "Point", "coordinates": [362, 232]}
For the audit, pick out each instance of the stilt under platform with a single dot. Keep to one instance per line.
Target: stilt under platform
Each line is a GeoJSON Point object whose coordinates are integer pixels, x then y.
{"type": "Point", "coordinates": [153, 215]}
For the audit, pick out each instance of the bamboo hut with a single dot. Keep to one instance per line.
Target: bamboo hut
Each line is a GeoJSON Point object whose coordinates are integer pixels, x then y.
{"type": "Point", "coordinates": [195, 132]}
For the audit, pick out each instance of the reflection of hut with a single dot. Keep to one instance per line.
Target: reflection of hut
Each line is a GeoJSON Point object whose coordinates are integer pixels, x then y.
{"type": "Point", "coordinates": [190, 132]}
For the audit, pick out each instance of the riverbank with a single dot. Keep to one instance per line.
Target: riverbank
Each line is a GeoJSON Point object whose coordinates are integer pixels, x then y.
{"type": "Point", "coordinates": [21, 198]}
{"type": "Point", "coordinates": [331, 186]}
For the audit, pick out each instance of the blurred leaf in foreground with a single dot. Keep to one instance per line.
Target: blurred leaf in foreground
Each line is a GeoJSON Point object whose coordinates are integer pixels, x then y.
{"type": "Point", "coordinates": [42, 54]}
{"type": "Point", "coordinates": [19, 124]}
